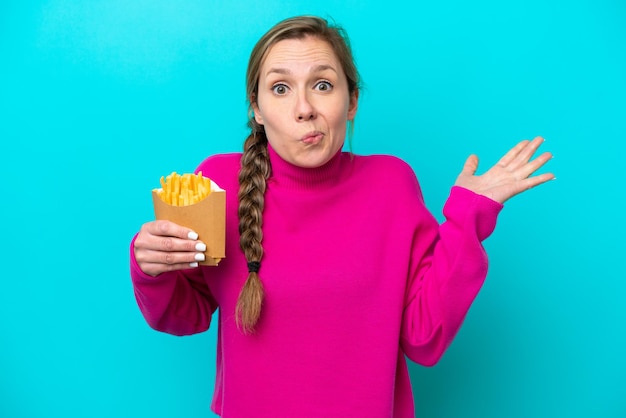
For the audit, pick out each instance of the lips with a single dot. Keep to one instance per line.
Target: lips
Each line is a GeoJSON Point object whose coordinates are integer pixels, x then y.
{"type": "Point", "coordinates": [312, 138]}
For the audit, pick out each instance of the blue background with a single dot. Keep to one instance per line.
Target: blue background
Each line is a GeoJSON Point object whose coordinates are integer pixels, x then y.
{"type": "Point", "coordinates": [98, 99]}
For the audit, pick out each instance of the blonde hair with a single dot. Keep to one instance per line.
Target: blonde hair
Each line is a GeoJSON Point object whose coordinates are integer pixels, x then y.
{"type": "Point", "coordinates": [255, 164]}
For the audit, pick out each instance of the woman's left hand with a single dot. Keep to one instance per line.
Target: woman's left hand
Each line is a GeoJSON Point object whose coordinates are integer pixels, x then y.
{"type": "Point", "coordinates": [510, 176]}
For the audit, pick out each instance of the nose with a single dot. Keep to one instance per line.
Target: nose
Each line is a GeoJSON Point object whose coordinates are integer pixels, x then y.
{"type": "Point", "coordinates": [305, 110]}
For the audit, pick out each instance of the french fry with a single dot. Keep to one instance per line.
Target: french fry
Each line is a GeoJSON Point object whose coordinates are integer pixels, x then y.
{"type": "Point", "coordinates": [183, 190]}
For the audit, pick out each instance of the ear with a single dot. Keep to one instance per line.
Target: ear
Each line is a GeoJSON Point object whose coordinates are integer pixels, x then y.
{"type": "Point", "coordinates": [353, 105]}
{"type": "Point", "coordinates": [257, 112]}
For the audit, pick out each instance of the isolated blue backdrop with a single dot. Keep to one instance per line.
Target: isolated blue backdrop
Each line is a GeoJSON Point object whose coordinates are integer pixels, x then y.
{"type": "Point", "coordinates": [98, 99]}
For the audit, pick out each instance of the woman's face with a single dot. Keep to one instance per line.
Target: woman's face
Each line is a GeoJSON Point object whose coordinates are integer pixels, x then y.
{"type": "Point", "coordinates": [303, 101]}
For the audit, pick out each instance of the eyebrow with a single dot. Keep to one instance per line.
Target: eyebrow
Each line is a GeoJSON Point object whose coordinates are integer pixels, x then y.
{"type": "Point", "coordinates": [285, 71]}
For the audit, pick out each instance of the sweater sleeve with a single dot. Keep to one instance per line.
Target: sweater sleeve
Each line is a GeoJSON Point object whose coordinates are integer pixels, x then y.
{"type": "Point", "coordinates": [178, 303]}
{"type": "Point", "coordinates": [447, 269]}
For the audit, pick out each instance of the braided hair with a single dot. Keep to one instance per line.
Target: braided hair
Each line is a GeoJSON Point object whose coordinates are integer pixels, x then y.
{"type": "Point", "coordinates": [255, 169]}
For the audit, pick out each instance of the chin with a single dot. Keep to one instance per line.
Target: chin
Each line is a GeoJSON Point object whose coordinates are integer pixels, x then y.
{"type": "Point", "coordinates": [312, 162]}
{"type": "Point", "coordinates": [306, 163]}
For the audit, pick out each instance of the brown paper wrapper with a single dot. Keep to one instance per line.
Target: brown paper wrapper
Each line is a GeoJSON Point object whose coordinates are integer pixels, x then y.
{"type": "Point", "coordinates": [207, 218]}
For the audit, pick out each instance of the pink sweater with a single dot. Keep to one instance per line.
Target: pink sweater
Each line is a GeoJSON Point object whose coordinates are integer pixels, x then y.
{"type": "Point", "coordinates": [358, 276]}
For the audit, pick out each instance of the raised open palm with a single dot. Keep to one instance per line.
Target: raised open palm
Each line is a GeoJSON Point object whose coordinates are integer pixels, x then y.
{"type": "Point", "coordinates": [510, 176]}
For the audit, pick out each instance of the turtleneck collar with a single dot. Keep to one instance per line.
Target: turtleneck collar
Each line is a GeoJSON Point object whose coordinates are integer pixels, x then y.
{"type": "Point", "coordinates": [287, 175]}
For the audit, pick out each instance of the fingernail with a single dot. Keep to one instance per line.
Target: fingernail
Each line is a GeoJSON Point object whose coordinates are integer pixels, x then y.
{"type": "Point", "coordinates": [201, 246]}
{"type": "Point", "coordinates": [199, 257]}
{"type": "Point", "coordinates": [194, 264]}
{"type": "Point", "coordinates": [192, 235]}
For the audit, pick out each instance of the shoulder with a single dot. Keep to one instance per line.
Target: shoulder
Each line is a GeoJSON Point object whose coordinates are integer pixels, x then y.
{"type": "Point", "coordinates": [220, 161]}
{"type": "Point", "coordinates": [388, 171]}
{"type": "Point", "coordinates": [221, 168]}
{"type": "Point", "coordinates": [383, 163]}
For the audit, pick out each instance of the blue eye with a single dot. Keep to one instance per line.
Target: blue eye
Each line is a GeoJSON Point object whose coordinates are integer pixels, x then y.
{"type": "Point", "coordinates": [279, 89]}
{"type": "Point", "coordinates": [324, 86]}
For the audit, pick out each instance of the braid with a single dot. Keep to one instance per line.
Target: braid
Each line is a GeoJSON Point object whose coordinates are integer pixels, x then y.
{"type": "Point", "coordinates": [255, 169]}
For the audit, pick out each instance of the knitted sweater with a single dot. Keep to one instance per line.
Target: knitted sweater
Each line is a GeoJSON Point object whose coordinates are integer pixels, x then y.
{"type": "Point", "coordinates": [358, 275]}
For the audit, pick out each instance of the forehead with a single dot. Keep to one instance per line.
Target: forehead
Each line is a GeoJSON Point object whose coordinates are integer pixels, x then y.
{"type": "Point", "coordinates": [300, 52]}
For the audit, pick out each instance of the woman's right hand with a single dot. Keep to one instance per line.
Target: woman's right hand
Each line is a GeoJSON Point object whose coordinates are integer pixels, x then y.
{"type": "Point", "coordinates": [164, 246]}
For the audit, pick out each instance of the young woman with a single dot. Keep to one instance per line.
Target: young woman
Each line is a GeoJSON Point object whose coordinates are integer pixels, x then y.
{"type": "Point", "coordinates": [335, 270]}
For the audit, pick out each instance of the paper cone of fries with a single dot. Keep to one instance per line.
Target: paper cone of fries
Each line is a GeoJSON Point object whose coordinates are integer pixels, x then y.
{"type": "Point", "coordinates": [198, 204]}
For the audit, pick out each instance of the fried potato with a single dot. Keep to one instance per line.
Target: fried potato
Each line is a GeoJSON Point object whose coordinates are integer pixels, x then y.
{"type": "Point", "coordinates": [185, 189]}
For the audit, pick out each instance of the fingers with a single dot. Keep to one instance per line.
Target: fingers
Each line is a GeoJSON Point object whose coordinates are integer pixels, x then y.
{"type": "Point", "coordinates": [157, 262]}
{"type": "Point", "coordinates": [512, 154]}
{"type": "Point", "coordinates": [521, 153]}
{"type": "Point", "coordinates": [513, 174]}
{"type": "Point", "coordinates": [531, 182]}
{"type": "Point", "coordinates": [523, 167]}
{"type": "Point", "coordinates": [164, 243]}
{"type": "Point", "coordinates": [470, 166]}
{"type": "Point", "coordinates": [534, 165]}
{"type": "Point", "coordinates": [166, 236]}
{"type": "Point", "coordinates": [165, 246]}
{"type": "Point", "coordinates": [523, 175]}
{"type": "Point", "coordinates": [170, 258]}
{"type": "Point", "coordinates": [167, 228]}
{"type": "Point", "coordinates": [526, 153]}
